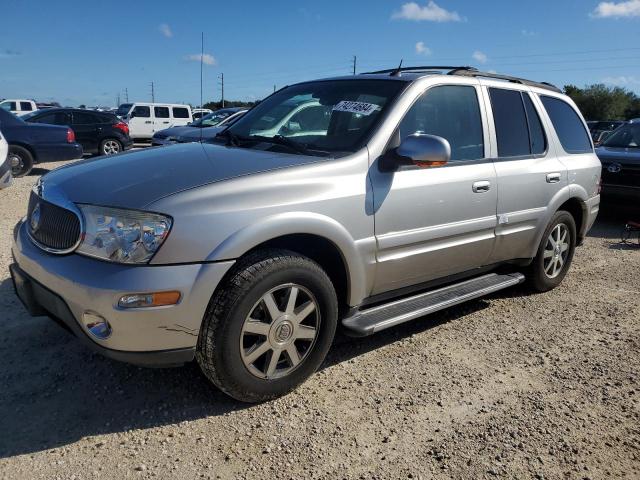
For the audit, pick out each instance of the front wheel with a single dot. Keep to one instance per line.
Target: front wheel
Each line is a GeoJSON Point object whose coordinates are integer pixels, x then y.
{"type": "Point", "coordinates": [110, 146]}
{"type": "Point", "coordinates": [268, 327]}
{"type": "Point", "coordinates": [555, 253]}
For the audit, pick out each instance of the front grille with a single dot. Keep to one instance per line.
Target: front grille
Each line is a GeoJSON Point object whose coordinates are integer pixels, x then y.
{"type": "Point", "coordinates": [57, 228]}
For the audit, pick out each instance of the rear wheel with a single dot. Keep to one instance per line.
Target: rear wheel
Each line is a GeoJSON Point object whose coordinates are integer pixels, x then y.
{"type": "Point", "coordinates": [269, 327]}
{"type": "Point", "coordinates": [555, 253]}
{"type": "Point", "coordinates": [110, 146]}
{"type": "Point", "coordinates": [21, 160]}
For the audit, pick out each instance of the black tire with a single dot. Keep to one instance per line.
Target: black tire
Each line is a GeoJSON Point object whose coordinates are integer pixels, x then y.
{"type": "Point", "coordinates": [539, 279]}
{"type": "Point", "coordinates": [21, 161]}
{"type": "Point", "coordinates": [108, 146]}
{"type": "Point", "coordinates": [219, 344]}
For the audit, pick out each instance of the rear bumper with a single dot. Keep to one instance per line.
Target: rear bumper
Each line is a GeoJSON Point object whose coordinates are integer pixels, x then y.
{"type": "Point", "coordinates": [58, 152]}
{"type": "Point", "coordinates": [590, 207]}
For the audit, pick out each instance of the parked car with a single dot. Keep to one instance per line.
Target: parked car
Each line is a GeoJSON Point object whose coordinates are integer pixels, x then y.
{"type": "Point", "coordinates": [198, 113]}
{"type": "Point", "coordinates": [204, 129]}
{"type": "Point", "coordinates": [18, 106]}
{"type": "Point", "coordinates": [45, 105]}
{"type": "Point", "coordinates": [145, 119]}
{"type": "Point", "coordinates": [417, 191]}
{"type": "Point", "coordinates": [5, 167]}
{"type": "Point", "coordinates": [620, 157]}
{"type": "Point", "coordinates": [98, 132]}
{"type": "Point", "coordinates": [31, 143]}
{"type": "Point", "coordinates": [600, 130]}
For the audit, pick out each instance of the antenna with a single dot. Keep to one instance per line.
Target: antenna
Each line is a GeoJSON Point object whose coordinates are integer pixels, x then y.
{"type": "Point", "coordinates": [396, 72]}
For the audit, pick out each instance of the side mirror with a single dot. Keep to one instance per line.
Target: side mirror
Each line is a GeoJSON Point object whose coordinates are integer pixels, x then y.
{"type": "Point", "coordinates": [424, 150]}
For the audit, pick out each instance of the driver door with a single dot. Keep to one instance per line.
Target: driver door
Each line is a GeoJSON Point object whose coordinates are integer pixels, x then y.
{"type": "Point", "coordinates": [435, 222]}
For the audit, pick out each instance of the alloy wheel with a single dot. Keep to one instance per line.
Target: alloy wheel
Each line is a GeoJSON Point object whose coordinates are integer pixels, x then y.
{"type": "Point", "coordinates": [17, 164]}
{"type": "Point", "coordinates": [111, 147]}
{"type": "Point", "coordinates": [556, 250]}
{"type": "Point", "coordinates": [280, 331]}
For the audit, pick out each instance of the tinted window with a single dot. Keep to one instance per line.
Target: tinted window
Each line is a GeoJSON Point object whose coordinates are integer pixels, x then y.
{"type": "Point", "coordinates": [54, 118]}
{"type": "Point", "coordinates": [627, 136]}
{"type": "Point", "coordinates": [568, 126]}
{"type": "Point", "coordinates": [451, 112]}
{"type": "Point", "coordinates": [180, 112]}
{"type": "Point", "coordinates": [161, 112]}
{"type": "Point", "coordinates": [25, 106]}
{"type": "Point", "coordinates": [124, 109]}
{"type": "Point", "coordinates": [81, 118]}
{"type": "Point", "coordinates": [106, 119]}
{"type": "Point", "coordinates": [510, 121]}
{"type": "Point", "coordinates": [536, 132]}
{"type": "Point", "coordinates": [9, 106]}
{"type": "Point", "coordinates": [140, 111]}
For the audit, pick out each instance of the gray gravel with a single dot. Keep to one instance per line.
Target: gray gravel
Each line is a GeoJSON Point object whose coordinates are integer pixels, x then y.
{"type": "Point", "coordinates": [515, 385]}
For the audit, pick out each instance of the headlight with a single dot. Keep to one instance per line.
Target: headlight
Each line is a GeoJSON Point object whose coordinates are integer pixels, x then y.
{"type": "Point", "coordinates": [122, 236]}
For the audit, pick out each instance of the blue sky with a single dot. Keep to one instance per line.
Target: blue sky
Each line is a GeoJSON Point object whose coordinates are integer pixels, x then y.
{"type": "Point", "coordinates": [89, 51]}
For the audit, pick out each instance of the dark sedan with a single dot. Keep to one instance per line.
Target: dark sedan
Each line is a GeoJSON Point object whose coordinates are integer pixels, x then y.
{"type": "Point", "coordinates": [31, 143]}
{"type": "Point", "coordinates": [100, 133]}
{"type": "Point", "coordinates": [620, 157]}
{"type": "Point", "coordinates": [200, 130]}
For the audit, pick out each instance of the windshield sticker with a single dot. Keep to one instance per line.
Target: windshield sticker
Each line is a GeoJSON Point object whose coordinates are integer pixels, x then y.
{"type": "Point", "coordinates": [362, 108]}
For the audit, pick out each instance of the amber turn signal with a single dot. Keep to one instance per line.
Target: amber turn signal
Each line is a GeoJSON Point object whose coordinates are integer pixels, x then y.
{"type": "Point", "coordinates": [157, 299]}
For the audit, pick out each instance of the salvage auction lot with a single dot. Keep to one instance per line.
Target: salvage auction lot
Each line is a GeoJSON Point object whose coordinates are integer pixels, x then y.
{"type": "Point", "coordinates": [515, 384]}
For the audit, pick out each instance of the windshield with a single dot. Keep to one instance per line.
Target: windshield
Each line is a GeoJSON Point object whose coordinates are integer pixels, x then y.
{"type": "Point", "coordinates": [324, 116]}
{"type": "Point", "coordinates": [212, 119]}
{"type": "Point", "coordinates": [124, 109]}
{"type": "Point", "coordinates": [627, 136]}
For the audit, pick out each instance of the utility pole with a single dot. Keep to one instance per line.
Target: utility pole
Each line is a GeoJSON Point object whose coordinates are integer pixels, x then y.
{"type": "Point", "coordinates": [355, 59]}
{"type": "Point", "coordinates": [222, 87]}
{"type": "Point", "coordinates": [201, 61]}
{"type": "Point", "coordinates": [274, 88]}
{"type": "Point", "coordinates": [153, 94]}
{"type": "Point", "coordinates": [126, 94]}
{"type": "Point", "coordinates": [118, 100]}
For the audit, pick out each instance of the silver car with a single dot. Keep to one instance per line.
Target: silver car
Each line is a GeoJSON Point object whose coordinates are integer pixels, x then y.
{"type": "Point", "coordinates": [400, 193]}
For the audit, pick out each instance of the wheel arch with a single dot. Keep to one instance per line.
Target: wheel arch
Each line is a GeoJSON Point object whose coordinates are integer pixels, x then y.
{"type": "Point", "coordinates": [27, 147]}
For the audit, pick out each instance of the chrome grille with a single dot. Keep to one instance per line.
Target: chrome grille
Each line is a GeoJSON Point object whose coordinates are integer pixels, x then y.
{"type": "Point", "coordinates": [54, 228]}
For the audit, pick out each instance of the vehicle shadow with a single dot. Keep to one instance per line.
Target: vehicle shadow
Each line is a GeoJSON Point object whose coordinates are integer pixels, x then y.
{"type": "Point", "coordinates": [38, 171]}
{"type": "Point", "coordinates": [54, 391]}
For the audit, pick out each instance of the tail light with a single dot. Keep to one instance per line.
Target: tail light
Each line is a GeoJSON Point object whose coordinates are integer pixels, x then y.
{"type": "Point", "coordinates": [71, 136]}
{"type": "Point", "coordinates": [123, 127]}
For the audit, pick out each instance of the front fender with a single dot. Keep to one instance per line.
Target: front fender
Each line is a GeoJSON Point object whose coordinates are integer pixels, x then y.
{"type": "Point", "coordinates": [308, 223]}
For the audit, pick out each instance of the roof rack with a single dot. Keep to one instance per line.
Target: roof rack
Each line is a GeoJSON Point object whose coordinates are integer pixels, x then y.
{"type": "Point", "coordinates": [467, 71]}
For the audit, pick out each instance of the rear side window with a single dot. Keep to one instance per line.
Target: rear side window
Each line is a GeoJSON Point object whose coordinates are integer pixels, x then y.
{"type": "Point", "coordinates": [180, 112]}
{"type": "Point", "coordinates": [81, 118]}
{"type": "Point", "coordinates": [511, 122]}
{"type": "Point", "coordinates": [536, 132]}
{"type": "Point", "coordinates": [568, 126]}
{"type": "Point", "coordinates": [25, 106]}
{"type": "Point", "coordinates": [57, 118]}
{"type": "Point", "coordinates": [161, 112]}
{"type": "Point", "coordinates": [451, 112]}
{"type": "Point", "coordinates": [9, 106]}
{"type": "Point", "coordinates": [141, 111]}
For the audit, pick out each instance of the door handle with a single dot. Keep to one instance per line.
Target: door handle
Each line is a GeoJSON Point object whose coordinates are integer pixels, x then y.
{"type": "Point", "coordinates": [148, 121]}
{"type": "Point", "coordinates": [553, 177]}
{"type": "Point", "coordinates": [165, 122]}
{"type": "Point", "coordinates": [481, 187]}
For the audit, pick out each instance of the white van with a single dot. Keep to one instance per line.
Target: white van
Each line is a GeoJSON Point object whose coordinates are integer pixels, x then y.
{"type": "Point", "coordinates": [18, 106]}
{"type": "Point", "coordinates": [146, 118]}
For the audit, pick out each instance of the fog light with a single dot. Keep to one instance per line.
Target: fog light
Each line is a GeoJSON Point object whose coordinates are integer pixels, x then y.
{"type": "Point", "coordinates": [97, 325]}
{"type": "Point", "coordinates": [157, 299]}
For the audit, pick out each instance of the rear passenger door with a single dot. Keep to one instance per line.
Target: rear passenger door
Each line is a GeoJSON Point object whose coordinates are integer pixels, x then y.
{"type": "Point", "coordinates": [85, 126]}
{"type": "Point", "coordinates": [529, 173]}
{"type": "Point", "coordinates": [435, 222]}
{"type": "Point", "coordinates": [162, 118]}
{"type": "Point", "coordinates": [180, 116]}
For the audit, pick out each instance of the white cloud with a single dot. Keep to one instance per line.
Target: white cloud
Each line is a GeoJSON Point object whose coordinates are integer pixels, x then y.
{"type": "Point", "coordinates": [621, 80]}
{"type": "Point", "coordinates": [629, 8]}
{"type": "Point", "coordinates": [165, 30]}
{"type": "Point", "coordinates": [528, 33]}
{"type": "Point", "coordinates": [207, 59]}
{"type": "Point", "coordinates": [480, 56]}
{"type": "Point", "coordinates": [431, 12]}
{"type": "Point", "coordinates": [422, 49]}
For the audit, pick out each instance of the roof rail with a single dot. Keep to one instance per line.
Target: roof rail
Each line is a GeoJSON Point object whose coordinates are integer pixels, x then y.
{"type": "Point", "coordinates": [467, 71]}
{"type": "Point", "coordinates": [498, 76]}
{"type": "Point", "coordinates": [422, 68]}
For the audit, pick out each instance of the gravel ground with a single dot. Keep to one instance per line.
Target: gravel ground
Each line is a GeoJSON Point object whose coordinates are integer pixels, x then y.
{"type": "Point", "coordinates": [514, 386]}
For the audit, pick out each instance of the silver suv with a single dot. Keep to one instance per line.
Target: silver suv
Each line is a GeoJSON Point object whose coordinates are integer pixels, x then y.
{"type": "Point", "coordinates": [396, 194]}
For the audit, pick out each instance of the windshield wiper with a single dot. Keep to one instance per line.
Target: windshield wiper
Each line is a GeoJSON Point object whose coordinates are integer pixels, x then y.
{"type": "Point", "coordinates": [284, 141]}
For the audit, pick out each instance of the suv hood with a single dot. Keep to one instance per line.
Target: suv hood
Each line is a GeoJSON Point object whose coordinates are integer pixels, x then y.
{"type": "Point", "coordinates": [173, 131]}
{"type": "Point", "coordinates": [137, 179]}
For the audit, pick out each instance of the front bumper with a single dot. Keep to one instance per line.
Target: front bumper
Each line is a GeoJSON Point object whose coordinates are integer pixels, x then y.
{"type": "Point", "coordinates": [65, 287]}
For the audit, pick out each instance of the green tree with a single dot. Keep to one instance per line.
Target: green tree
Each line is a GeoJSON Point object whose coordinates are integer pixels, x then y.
{"type": "Point", "coordinates": [599, 102]}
